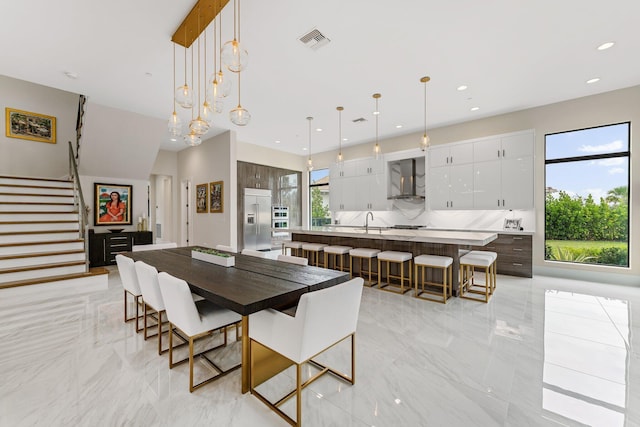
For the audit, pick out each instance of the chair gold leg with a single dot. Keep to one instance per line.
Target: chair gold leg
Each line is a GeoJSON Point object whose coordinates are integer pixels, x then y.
{"type": "Point", "coordinates": [190, 364]}
{"type": "Point", "coordinates": [298, 395]}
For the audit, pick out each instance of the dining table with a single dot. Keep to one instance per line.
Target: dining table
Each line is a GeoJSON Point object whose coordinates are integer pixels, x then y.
{"type": "Point", "coordinates": [252, 284]}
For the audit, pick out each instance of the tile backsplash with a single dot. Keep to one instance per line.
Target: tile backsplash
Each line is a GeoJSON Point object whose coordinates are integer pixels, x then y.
{"type": "Point", "coordinates": [411, 213]}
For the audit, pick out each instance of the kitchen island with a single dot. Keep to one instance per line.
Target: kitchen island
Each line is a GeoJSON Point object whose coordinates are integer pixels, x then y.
{"type": "Point", "coordinates": [418, 242]}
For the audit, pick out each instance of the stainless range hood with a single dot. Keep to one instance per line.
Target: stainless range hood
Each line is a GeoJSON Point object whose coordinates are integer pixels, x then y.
{"type": "Point", "coordinates": [407, 179]}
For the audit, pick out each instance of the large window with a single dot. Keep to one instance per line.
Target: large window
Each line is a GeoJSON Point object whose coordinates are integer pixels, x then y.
{"type": "Point", "coordinates": [319, 197]}
{"type": "Point", "coordinates": [587, 195]}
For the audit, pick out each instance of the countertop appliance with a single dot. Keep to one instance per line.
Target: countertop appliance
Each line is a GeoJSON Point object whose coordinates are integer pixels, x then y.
{"type": "Point", "coordinates": [257, 219]}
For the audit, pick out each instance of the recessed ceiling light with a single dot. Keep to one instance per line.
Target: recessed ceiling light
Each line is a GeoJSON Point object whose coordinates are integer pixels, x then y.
{"type": "Point", "coordinates": [375, 113]}
{"type": "Point", "coordinates": [475, 108]}
{"type": "Point", "coordinates": [71, 75]}
{"type": "Point", "coordinates": [345, 139]}
{"type": "Point", "coordinates": [277, 141]}
{"type": "Point", "coordinates": [304, 148]}
{"type": "Point", "coordinates": [594, 80]}
{"type": "Point", "coordinates": [398, 126]}
{"type": "Point", "coordinates": [319, 130]}
{"type": "Point", "coordinates": [605, 46]}
{"type": "Point", "coordinates": [462, 87]}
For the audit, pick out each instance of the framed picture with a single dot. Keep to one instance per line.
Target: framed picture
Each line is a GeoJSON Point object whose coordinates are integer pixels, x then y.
{"type": "Point", "coordinates": [512, 224]}
{"type": "Point", "coordinates": [202, 195]}
{"type": "Point", "coordinates": [216, 190]}
{"type": "Point", "coordinates": [112, 204]}
{"type": "Point", "coordinates": [32, 126]}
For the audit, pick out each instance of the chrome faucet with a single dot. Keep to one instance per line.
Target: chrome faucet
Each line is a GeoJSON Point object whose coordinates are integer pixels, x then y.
{"type": "Point", "coordinates": [366, 221]}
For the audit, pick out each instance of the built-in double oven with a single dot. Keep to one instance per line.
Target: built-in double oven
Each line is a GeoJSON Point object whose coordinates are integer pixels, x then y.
{"type": "Point", "coordinates": [279, 220]}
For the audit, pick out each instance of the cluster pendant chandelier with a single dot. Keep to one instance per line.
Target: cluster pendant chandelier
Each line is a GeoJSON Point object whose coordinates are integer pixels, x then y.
{"type": "Point", "coordinates": [424, 142]}
{"type": "Point", "coordinates": [217, 87]}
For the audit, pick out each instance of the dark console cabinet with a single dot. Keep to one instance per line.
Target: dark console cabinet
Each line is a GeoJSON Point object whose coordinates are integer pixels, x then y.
{"type": "Point", "coordinates": [103, 247]}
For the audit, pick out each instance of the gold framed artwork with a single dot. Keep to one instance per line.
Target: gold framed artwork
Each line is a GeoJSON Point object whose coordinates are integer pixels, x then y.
{"type": "Point", "coordinates": [202, 191]}
{"type": "Point", "coordinates": [216, 197]}
{"type": "Point", "coordinates": [32, 126]}
{"type": "Point", "coordinates": [112, 204]}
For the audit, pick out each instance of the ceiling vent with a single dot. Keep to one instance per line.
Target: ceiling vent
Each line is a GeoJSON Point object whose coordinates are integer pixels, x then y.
{"type": "Point", "coordinates": [314, 39]}
{"type": "Point", "coordinates": [359, 120]}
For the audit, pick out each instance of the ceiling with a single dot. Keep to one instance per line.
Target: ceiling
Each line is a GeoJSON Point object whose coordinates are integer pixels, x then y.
{"type": "Point", "coordinates": [512, 55]}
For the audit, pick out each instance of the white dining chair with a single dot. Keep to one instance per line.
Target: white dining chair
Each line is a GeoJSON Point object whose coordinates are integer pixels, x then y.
{"type": "Point", "coordinates": [194, 321]}
{"type": "Point", "coordinates": [131, 287]}
{"type": "Point", "coordinates": [293, 259]}
{"type": "Point", "coordinates": [323, 318]}
{"type": "Point", "coordinates": [254, 253]}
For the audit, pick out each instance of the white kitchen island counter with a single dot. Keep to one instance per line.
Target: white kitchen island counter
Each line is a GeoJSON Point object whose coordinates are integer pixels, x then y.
{"type": "Point", "coordinates": [474, 238]}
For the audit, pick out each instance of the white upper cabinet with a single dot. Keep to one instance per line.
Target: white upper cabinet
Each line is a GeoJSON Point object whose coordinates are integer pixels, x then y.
{"type": "Point", "coordinates": [450, 154]}
{"type": "Point", "coordinates": [496, 173]}
{"type": "Point", "coordinates": [358, 185]}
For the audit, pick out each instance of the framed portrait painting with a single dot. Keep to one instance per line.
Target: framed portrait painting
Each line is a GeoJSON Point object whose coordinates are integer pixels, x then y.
{"type": "Point", "coordinates": [216, 192]}
{"type": "Point", "coordinates": [112, 204]}
{"type": "Point", "coordinates": [33, 126]}
{"type": "Point", "coordinates": [202, 195]}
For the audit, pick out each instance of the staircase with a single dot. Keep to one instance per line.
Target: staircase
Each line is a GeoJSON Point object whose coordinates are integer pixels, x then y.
{"type": "Point", "coordinates": [40, 239]}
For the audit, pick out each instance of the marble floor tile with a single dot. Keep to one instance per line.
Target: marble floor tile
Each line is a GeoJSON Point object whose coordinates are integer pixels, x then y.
{"type": "Point", "coordinates": [542, 352]}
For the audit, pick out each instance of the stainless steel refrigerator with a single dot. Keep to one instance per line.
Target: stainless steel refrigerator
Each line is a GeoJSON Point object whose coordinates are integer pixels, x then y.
{"type": "Point", "coordinates": [257, 219]}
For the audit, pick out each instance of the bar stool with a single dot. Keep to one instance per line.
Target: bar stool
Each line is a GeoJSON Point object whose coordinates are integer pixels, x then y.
{"type": "Point", "coordinates": [468, 286]}
{"type": "Point", "coordinates": [492, 270]}
{"type": "Point", "coordinates": [396, 258]}
{"type": "Point", "coordinates": [362, 254]}
{"type": "Point", "coordinates": [314, 249]}
{"type": "Point", "coordinates": [338, 252]}
{"type": "Point", "coordinates": [292, 245]}
{"type": "Point", "coordinates": [444, 263]}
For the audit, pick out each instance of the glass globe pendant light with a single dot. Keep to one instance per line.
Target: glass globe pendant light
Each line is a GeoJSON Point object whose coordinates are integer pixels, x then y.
{"type": "Point", "coordinates": [309, 161]}
{"type": "Point", "coordinates": [192, 139]}
{"type": "Point", "coordinates": [221, 84]}
{"type": "Point", "coordinates": [198, 126]}
{"type": "Point", "coordinates": [234, 56]}
{"type": "Point", "coordinates": [207, 108]}
{"type": "Point", "coordinates": [376, 148]}
{"type": "Point", "coordinates": [174, 124]}
{"type": "Point", "coordinates": [239, 116]}
{"type": "Point", "coordinates": [424, 142]}
{"type": "Point", "coordinates": [183, 94]}
{"type": "Point", "coordinates": [340, 158]}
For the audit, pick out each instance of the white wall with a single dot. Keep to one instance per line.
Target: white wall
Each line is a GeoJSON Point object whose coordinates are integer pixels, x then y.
{"type": "Point", "coordinates": [31, 158]}
{"type": "Point", "coordinates": [214, 160]}
{"type": "Point", "coordinates": [119, 143]}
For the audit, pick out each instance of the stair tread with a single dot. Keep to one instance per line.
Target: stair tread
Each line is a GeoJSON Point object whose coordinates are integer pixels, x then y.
{"type": "Point", "coordinates": [37, 212]}
{"type": "Point", "coordinates": [38, 203]}
{"type": "Point", "coordinates": [35, 178]}
{"type": "Point", "coordinates": [41, 267]}
{"type": "Point", "coordinates": [39, 254]}
{"type": "Point", "coordinates": [17, 233]}
{"type": "Point", "coordinates": [36, 194]}
{"type": "Point", "coordinates": [46, 242]}
{"type": "Point", "coordinates": [95, 271]}
{"type": "Point", "coordinates": [62, 221]}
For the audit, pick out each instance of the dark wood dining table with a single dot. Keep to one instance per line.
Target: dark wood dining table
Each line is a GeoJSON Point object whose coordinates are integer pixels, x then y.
{"type": "Point", "coordinates": [251, 285]}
